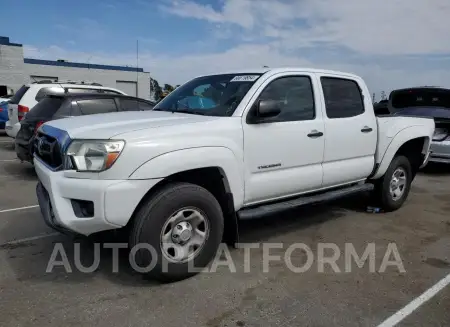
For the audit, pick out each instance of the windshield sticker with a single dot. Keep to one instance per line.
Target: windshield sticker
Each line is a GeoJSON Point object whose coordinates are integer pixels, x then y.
{"type": "Point", "coordinates": [245, 78]}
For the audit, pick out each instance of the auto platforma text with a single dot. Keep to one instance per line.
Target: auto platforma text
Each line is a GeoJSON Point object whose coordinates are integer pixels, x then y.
{"type": "Point", "coordinates": [374, 258]}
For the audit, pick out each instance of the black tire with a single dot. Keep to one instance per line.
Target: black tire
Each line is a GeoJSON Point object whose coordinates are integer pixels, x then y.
{"type": "Point", "coordinates": [154, 213]}
{"type": "Point", "coordinates": [382, 193]}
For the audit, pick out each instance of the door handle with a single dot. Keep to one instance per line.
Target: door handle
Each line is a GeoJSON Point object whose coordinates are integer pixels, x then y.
{"type": "Point", "coordinates": [315, 133]}
{"type": "Point", "coordinates": [366, 129]}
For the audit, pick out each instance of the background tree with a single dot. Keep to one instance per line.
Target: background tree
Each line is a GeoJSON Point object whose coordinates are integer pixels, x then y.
{"type": "Point", "coordinates": [168, 88]}
{"type": "Point", "coordinates": [155, 90]}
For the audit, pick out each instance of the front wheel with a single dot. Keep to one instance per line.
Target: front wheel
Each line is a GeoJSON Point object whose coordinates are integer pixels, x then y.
{"type": "Point", "coordinates": [178, 231]}
{"type": "Point", "coordinates": [393, 188]}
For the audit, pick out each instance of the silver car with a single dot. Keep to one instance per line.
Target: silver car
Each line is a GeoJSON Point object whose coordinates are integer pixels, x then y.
{"type": "Point", "coordinates": [427, 101]}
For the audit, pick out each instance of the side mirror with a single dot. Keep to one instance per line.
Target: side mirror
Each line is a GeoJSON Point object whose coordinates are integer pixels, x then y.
{"type": "Point", "coordinates": [264, 109]}
{"type": "Point", "coordinates": [268, 108]}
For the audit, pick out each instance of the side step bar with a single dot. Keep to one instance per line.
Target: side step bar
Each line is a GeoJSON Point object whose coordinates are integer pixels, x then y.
{"type": "Point", "coordinates": [273, 208]}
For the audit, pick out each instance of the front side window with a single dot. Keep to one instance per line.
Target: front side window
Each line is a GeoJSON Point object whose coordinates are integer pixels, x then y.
{"type": "Point", "coordinates": [214, 95]}
{"type": "Point", "coordinates": [295, 97]}
{"type": "Point", "coordinates": [343, 98]}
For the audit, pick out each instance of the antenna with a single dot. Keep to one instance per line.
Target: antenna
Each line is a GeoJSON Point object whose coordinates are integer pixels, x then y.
{"type": "Point", "coordinates": [137, 67]}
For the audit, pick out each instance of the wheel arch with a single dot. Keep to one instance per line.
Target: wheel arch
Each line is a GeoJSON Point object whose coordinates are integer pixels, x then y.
{"type": "Point", "coordinates": [213, 179]}
{"type": "Point", "coordinates": [412, 143]}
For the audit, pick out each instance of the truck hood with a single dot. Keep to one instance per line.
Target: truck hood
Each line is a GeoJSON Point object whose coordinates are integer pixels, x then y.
{"type": "Point", "coordinates": [105, 126]}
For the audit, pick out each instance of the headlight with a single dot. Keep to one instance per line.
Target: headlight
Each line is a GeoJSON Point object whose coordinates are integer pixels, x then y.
{"type": "Point", "coordinates": [93, 155]}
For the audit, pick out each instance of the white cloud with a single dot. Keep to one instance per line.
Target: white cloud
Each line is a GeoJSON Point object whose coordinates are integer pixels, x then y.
{"type": "Point", "coordinates": [380, 36]}
{"type": "Point", "coordinates": [369, 26]}
{"type": "Point", "coordinates": [176, 70]}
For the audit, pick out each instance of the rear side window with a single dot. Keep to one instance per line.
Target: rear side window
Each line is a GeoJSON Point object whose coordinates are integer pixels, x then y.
{"type": "Point", "coordinates": [97, 106]}
{"type": "Point", "coordinates": [45, 108]}
{"type": "Point", "coordinates": [343, 98]}
{"type": "Point", "coordinates": [134, 105]}
{"type": "Point", "coordinates": [19, 94]}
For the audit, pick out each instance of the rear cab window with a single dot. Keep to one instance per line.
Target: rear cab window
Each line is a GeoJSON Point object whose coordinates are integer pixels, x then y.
{"type": "Point", "coordinates": [19, 94]}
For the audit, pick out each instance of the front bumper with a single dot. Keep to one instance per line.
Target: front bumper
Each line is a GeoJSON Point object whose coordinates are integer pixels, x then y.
{"type": "Point", "coordinates": [114, 201]}
{"type": "Point", "coordinates": [12, 129]}
{"type": "Point", "coordinates": [440, 152]}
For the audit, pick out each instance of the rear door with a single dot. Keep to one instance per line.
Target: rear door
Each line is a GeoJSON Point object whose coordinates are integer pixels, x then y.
{"type": "Point", "coordinates": [350, 131]}
{"type": "Point", "coordinates": [14, 103]}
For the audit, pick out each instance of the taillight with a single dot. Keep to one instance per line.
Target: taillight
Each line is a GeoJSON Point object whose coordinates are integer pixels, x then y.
{"type": "Point", "coordinates": [21, 111]}
{"type": "Point", "coordinates": [37, 126]}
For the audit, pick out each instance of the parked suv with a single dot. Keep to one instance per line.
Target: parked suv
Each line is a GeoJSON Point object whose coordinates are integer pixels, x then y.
{"type": "Point", "coordinates": [29, 95]}
{"type": "Point", "coordinates": [70, 105]}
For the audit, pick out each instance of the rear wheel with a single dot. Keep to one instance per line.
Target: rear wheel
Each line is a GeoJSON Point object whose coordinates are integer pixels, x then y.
{"type": "Point", "coordinates": [392, 190]}
{"type": "Point", "coordinates": [182, 225]}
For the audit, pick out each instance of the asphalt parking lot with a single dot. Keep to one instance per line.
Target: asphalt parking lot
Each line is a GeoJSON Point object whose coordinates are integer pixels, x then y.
{"type": "Point", "coordinates": [29, 296]}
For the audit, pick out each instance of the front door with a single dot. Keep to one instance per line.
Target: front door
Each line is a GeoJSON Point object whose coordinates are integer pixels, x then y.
{"type": "Point", "coordinates": [283, 154]}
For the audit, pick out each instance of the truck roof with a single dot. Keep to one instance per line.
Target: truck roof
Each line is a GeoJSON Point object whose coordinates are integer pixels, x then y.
{"type": "Point", "coordinates": [276, 70]}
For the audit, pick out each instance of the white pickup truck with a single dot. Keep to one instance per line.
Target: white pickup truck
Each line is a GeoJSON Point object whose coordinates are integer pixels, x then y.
{"type": "Point", "coordinates": [218, 149]}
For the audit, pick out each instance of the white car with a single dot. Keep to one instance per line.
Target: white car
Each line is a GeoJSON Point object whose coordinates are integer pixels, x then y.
{"type": "Point", "coordinates": [218, 149]}
{"type": "Point", "coordinates": [29, 95]}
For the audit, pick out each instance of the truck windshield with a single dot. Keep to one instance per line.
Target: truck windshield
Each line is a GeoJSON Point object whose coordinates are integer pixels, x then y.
{"type": "Point", "coordinates": [214, 95]}
{"type": "Point", "coordinates": [420, 97]}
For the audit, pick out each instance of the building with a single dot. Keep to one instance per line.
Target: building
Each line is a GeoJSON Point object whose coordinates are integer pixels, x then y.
{"type": "Point", "coordinates": [15, 70]}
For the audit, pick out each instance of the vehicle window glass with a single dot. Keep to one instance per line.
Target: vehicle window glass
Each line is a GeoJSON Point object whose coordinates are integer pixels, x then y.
{"type": "Point", "coordinates": [295, 96]}
{"type": "Point", "coordinates": [64, 110]}
{"type": "Point", "coordinates": [134, 105]}
{"type": "Point", "coordinates": [18, 95]}
{"type": "Point", "coordinates": [213, 95]}
{"type": "Point", "coordinates": [96, 106]}
{"type": "Point", "coordinates": [46, 91]}
{"type": "Point", "coordinates": [45, 108]}
{"type": "Point", "coordinates": [421, 98]}
{"type": "Point", "coordinates": [75, 109]}
{"type": "Point", "coordinates": [343, 97]}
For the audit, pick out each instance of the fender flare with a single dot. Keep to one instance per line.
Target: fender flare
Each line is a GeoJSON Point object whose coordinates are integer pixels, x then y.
{"type": "Point", "coordinates": [403, 136]}
{"type": "Point", "coordinates": [169, 163]}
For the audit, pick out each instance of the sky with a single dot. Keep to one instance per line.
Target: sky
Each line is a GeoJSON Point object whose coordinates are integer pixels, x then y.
{"type": "Point", "coordinates": [390, 43]}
